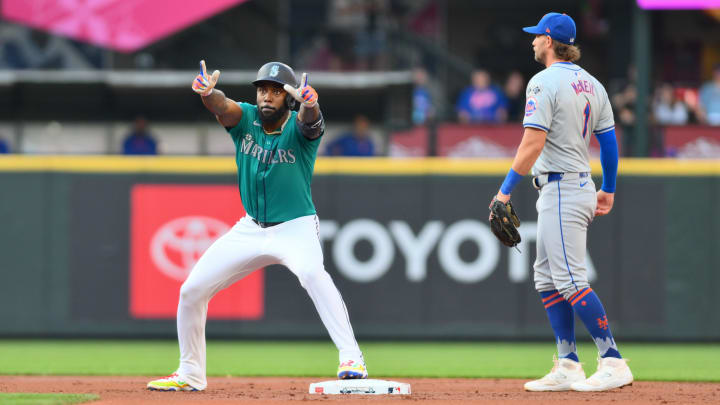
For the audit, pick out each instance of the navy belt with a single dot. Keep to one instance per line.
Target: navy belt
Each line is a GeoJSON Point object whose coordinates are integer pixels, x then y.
{"type": "Point", "coordinates": [557, 176]}
{"type": "Point", "coordinates": [543, 179]}
{"type": "Point", "coordinates": [265, 224]}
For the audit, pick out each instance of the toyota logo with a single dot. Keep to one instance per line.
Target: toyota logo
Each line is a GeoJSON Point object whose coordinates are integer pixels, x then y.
{"type": "Point", "coordinates": [177, 245]}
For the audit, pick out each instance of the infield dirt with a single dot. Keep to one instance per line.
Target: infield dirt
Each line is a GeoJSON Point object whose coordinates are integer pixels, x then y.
{"type": "Point", "coordinates": [274, 390]}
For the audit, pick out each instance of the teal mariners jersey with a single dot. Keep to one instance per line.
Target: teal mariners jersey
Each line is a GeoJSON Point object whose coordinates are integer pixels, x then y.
{"type": "Point", "coordinates": [274, 169]}
{"type": "Point", "coordinates": [570, 105]}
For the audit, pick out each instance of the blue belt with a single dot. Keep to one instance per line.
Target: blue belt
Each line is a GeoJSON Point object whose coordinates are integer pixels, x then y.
{"type": "Point", "coordinates": [541, 180]}
{"type": "Point", "coordinates": [556, 176]}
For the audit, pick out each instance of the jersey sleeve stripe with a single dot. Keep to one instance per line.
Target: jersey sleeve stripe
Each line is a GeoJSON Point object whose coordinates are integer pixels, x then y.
{"type": "Point", "coordinates": [535, 126]}
{"type": "Point", "coordinates": [600, 131]}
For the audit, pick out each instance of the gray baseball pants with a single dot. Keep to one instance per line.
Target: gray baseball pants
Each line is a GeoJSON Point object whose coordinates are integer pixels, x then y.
{"type": "Point", "coordinates": [565, 209]}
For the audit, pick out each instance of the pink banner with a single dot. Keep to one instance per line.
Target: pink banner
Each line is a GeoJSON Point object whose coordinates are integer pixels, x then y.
{"type": "Point", "coordinates": [692, 142]}
{"type": "Point", "coordinates": [410, 143]}
{"type": "Point", "coordinates": [471, 141]}
{"type": "Point", "coordinates": [492, 141]}
{"type": "Point", "coordinates": [122, 25]}
{"type": "Point", "coordinates": [678, 4]}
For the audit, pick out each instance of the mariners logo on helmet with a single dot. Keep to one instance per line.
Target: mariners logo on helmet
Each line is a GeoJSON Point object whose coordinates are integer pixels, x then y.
{"type": "Point", "coordinates": [279, 73]}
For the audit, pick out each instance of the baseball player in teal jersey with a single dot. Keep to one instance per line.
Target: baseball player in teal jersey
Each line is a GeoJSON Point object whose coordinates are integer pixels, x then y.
{"type": "Point", "coordinates": [565, 106]}
{"type": "Point", "coordinates": [275, 154]}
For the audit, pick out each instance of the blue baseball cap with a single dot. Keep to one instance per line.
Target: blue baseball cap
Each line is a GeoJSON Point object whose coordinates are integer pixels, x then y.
{"type": "Point", "coordinates": [559, 27]}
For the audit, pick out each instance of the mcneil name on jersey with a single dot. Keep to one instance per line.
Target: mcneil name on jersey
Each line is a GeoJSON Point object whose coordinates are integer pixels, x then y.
{"type": "Point", "coordinates": [583, 86]}
{"type": "Point", "coordinates": [249, 147]}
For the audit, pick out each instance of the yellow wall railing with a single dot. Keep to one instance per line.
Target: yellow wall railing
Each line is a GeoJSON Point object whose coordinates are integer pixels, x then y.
{"type": "Point", "coordinates": [340, 166]}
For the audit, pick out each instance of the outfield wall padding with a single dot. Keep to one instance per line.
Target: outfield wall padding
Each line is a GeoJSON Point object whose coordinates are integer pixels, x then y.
{"type": "Point", "coordinates": [67, 243]}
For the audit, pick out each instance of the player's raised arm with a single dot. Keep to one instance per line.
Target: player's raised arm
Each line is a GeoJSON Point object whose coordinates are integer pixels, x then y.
{"type": "Point", "coordinates": [309, 117]}
{"type": "Point", "coordinates": [227, 112]}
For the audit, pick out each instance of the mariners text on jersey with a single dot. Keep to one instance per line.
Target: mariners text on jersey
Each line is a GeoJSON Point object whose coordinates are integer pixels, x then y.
{"type": "Point", "coordinates": [274, 169]}
{"type": "Point", "coordinates": [249, 147]}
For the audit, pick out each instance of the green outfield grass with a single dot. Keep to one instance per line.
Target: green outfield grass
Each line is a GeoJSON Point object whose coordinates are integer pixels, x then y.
{"type": "Point", "coordinates": [662, 362]}
{"type": "Point", "coordinates": [45, 399]}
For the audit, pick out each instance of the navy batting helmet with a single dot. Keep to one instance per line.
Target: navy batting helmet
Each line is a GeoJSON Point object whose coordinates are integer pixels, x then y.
{"type": "Point", "coordinates": [280, 73]}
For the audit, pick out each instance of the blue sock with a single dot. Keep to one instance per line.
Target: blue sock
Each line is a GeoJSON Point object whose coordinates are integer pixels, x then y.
{"type": "Point", "coordinates": [562, 320]}
{"type": "Point", "coordinates": [589, 308]}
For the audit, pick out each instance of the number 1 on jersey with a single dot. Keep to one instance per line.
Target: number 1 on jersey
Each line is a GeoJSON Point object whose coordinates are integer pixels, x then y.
{"type": "Point", "coordinates": [586, 118]}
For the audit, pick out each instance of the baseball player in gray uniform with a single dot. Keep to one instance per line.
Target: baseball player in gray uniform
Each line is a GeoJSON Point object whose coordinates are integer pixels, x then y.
{"type": "Point", "coordinates": [565, 106]}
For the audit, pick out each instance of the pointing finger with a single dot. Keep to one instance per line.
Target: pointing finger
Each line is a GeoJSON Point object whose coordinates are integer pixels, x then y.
{"type": "Point", "coordinates": [203, 71]}
{"type": "Point", "coordinates": [215, 76]}
{"type": "Point", "coordinates": [304, 79]}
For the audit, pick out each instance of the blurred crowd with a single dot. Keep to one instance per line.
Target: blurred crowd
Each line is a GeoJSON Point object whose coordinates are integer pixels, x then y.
{"type": "Point", "coordinates": [489, 100]}
{"type": "Point", "coordinates": [139, 141]}
{"type": "Point", "coordinates": [672, 104]}
{"type": "Point", "coordinates": [356, 34]}
{"type": "Point", "coordinates": [485, 100]}
{"type": "Point", "coordinates": [389, 35]}
{"type": "Point", "coordinates": [482, 101]}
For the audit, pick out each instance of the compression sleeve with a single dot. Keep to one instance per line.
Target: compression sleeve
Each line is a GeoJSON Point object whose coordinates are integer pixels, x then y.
{"type": "Point", "coordinates": [511, 180]}
{"type": "Point", "coordinates": [312, 131]}
{"type": "Point", "coordinates": [608, 159]}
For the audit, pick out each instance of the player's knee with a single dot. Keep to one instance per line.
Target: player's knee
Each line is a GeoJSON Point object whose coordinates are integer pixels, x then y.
{"type": "Point", "coordinates": [190, 294]}
{"type": "Point", "coordinates": [310, 277]}
{"type": "Point", "coordinates": [543, 285]}
{"type": "Point", "coordinates": [568, 291]}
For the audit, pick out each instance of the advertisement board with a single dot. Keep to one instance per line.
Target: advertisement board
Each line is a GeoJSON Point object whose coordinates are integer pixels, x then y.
{"type": "Point", "coordinates": [692, 142]}
{"type": "Point", "coordinates": [470, 141]}
{"type": "Point", "coordinates": [171, 226]}
{"type": "Point", "coordinates": [105, 254]}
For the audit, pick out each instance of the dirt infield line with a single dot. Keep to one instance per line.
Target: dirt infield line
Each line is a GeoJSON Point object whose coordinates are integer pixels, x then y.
{"type": "Point", "coordinates": [263, 390]}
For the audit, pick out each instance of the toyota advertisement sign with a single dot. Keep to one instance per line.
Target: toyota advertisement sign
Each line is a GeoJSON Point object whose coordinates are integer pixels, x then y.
{"type": "Point", "coordinates": [413, 256]}
{"type": "Point", "coordinates": [171, 227]}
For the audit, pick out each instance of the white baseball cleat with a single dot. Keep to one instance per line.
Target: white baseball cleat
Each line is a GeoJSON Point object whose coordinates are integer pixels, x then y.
{"type": "Point", "coordinates": [561, 377]}
{"type": "Point", "coordinates": [611, 373]}
{"type": "Point", "coordinates": [352, 370]}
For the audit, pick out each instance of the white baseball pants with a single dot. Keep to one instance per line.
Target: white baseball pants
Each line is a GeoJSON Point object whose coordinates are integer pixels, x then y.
{"type": "Point", "coordinates": [245, 248]}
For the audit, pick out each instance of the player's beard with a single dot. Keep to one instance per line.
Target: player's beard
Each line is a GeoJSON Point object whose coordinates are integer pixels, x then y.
{"type": "Point", "coordinates": [274, 116]}
{"type": "Point", "coordinates": [540, 56]}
